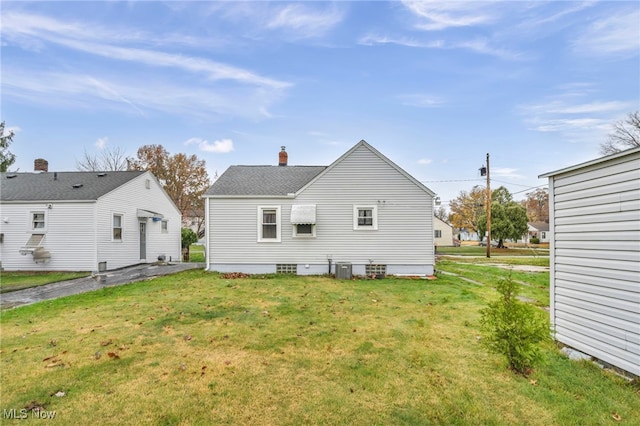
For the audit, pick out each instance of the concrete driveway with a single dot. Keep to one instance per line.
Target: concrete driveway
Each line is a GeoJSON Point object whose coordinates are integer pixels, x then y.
{"type": "Point", "coordinates": [81, 285]}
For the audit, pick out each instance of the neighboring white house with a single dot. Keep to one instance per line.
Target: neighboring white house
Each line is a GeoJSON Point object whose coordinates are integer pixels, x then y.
{"type": "Point", "coordinates": [363, 209]}
{"type": "Point", "coordinates": [443, 233]}
{"type": "Point", "coordinates": [595, 258]}
{"type": "Point", "coordinates": [75, 221]}
{"type": "Point", "coordinates": [539, 230]}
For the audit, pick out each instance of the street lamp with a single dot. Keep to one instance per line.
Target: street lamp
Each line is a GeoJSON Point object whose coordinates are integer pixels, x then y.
{"type": "Point", "coordinates": [484, 171]}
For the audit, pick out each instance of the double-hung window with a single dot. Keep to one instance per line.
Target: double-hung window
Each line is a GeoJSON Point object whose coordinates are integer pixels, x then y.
{"type": "Point", "coordinates": [365, 217]}
{"type": "Point", "coordinates": [269, 224]}
{"type": "Point", "coordinates": [438, 233]}
{"type": "Point", "coordinates": [117, 227]}
{"type": "Point", "coordinates": [38, 222]}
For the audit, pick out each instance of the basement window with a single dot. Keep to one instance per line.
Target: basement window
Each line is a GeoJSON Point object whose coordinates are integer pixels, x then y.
{"type": "Point", "coordinates": [286, 268]}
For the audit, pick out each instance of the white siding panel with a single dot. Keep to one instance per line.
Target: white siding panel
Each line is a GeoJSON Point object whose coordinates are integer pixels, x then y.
{"type": "Point", "coordinates": [69, 236]}
{"type": "Point", "coordinates": [579, 275]}
{"type": "Point", "coordinates": [602, 264]}
{"type": "Point", "coordinates": [126, 200]}
{"type": "Point", "coordinates": [595, 251]}
{"type": "Point", "coordinates": [597, 200]}
{"type": "Point", "coordinates": [613, 312]}
{"type": "Point", "coordinates": [626, 300]}
{"type": "Point", "coordinates": [618, 170]}
{"type": "Point", "coordinates": [588, 346]}
{"type": "Point", "coordinates": [624, 330]}
{"type": "Point", "coordinates": [599, 236]}
{"type": "Point", "coordinates": [605, 244]}
{"type": "Point", "coordinates": [606, 336]}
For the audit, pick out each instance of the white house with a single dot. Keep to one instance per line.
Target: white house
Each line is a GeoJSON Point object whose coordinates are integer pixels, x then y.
{"type": "Point", "coordinates": [595, 258]}
{"type": "Point", "coordinates": [85, 221]}
{"type": "Point", "coordinates": [539, 230]}
{"type": "Point", "coordinates": [363, 209]}
{"type": "Point", "coordinates": [443, 233]}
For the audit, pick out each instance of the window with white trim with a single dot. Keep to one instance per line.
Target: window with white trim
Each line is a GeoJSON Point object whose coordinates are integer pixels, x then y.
{"type": "Point", "coordinates": [117, 227]}
{"type": "Point", "coordinates": [38, 221]}
{"type": "Point", "coordinates": [164, 226]}
{"type": "Point", "coordinates": [365, 217]}
{"type": "Point", "coordinates": [438, 233]}
{"type": "Point", "coordinates": [269, 224]}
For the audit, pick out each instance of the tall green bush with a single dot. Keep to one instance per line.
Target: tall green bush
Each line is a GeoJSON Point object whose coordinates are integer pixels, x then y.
{"type": "Point", "coordinates": [513, 328]}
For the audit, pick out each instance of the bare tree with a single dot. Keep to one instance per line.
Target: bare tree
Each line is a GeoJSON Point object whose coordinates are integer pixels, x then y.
{"type": "Point", "coordinates": [625, 135]}
{"type": "Point", "coordinates": [441, 213]}
{"type": "Point", "coordinates": [110, 159]}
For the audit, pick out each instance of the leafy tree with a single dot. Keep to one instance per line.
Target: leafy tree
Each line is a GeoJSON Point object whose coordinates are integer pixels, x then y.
{"type": "Point", "coordinates": [508, 218]}
{"type": "Point", "coordinates": [537, 205]}
{"type": "Point", "coordinates": [111, 159]}
{"type": "Point", "coordinates": [625, 135]}
{"type": "Point", "coordinates": [183, 177]}
{"type": "Point", "coordinates": [467, 208]}
{"type": "Point", "coordinates": [6, 157]}
{"type": "Point", "coordinates": [188, 237]}
{"type": "Point", "coordinates": [513, 328]}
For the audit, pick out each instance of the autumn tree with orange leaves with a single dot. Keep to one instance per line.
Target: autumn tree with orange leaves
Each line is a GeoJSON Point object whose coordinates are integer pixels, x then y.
{"type": "Point", "coordinates": [183, 177]}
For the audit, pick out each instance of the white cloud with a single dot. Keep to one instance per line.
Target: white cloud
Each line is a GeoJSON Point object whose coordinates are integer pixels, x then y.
{"type": "Point", "coordinates": [505, 172]}
{"type": "Point", "coordinates": [439, 15]}
{"type": "Point", "coordinates": [614, 35]}
{"type": "Point", "coordinates": [306, 21]}
{"type": "Point", "coordinates": [425, 161]}
{"type": "Point", "coordinates": [478, 45]}
{"type": "Point", "coordinates": [222, 146]}
{"type": "Point", "coordinates": [420, 100]}
{"type": "Point", "coordinates": [101, 143]}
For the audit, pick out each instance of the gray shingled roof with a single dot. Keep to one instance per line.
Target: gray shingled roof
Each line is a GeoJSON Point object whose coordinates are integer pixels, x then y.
{"type": "Point", "coordinates": [263, 180]}
{"type": "Point", "coordinates": [59, 186]}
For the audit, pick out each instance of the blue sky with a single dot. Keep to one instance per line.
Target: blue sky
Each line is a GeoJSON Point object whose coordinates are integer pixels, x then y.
{"type": "Point", "coordinates": [432, 85]}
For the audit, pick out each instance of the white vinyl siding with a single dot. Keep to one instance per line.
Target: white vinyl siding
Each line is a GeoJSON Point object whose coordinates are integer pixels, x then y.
{"type": "Point", "coordinates": [404, 239]}
{"type": "Point", "coordinates": [595, 259]}
{"type": "Point", "coordinates": [69, 236]}
{"type": "Point", "coordinates": [126, 200]}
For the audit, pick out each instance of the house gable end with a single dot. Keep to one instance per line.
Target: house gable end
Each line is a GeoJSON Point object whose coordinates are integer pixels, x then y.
{"type": "Point", "coordinates": [359, 146]}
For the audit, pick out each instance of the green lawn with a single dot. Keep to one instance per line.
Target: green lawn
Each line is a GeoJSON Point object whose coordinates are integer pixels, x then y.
{"type": "Point", "coordinates": [195, 348]}
{"type": "Point", "coordinates": [196, 253]}
{"type": "Point", "coordinates": [12, 281]}
{"type": "Point", "coordinates": [496, 252]}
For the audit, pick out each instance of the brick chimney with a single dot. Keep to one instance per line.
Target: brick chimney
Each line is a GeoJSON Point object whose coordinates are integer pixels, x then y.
{"type": "Point", "coordinates": [40, 165]}
{"type": "Point", "coordinates": [283, 157]}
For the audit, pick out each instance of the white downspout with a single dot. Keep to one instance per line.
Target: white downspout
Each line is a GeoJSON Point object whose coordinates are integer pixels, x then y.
{"type": "Point", "coordinates": [207, 244]}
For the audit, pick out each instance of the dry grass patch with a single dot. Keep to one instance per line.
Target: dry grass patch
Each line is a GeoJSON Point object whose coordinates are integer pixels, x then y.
{"type": "Point", "coordinates": [198, 349]}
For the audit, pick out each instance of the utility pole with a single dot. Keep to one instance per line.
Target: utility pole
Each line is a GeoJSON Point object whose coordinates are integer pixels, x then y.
{"type": "Point", "coordinates": [488, 210]}
{"type": "Point", "coordinates": [484, 171]}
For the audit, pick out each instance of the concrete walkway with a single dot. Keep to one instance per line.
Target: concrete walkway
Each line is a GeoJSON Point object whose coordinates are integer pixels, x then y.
{"type": "Point", "coordinates": [81, 285]}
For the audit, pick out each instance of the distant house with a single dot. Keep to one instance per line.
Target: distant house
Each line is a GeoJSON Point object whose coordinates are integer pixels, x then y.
{"type": "Point", "coordinates": [539, 230]}
{"type": "Point", "coordinates": [85, 221]}
{"type": "Point", "coordinates": [595, 258]}
{"type": "Point", "coordinates": [443, 233]}
{"type": "Point", "coordinates": [362, 209]}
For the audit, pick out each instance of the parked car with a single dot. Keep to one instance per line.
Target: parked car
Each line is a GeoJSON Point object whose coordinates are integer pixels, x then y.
{"type": "Point", "coordinates": [494, 243]}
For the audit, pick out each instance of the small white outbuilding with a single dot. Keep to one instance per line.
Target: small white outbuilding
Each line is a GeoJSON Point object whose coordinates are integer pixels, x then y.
{"type": "Point", "coordinates": [594, 211]}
